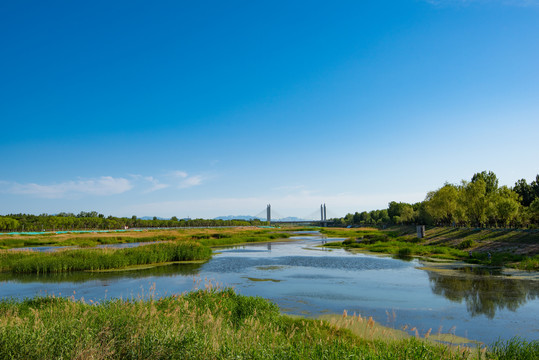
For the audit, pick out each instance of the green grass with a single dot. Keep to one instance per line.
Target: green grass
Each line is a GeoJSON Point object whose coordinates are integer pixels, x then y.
{"type": "Point", "coordinates": [479, 235]}
{"type": "Point", "coordinates": [100, 259]}
{"type": "Point", "coordinates": [515, 348]}
{"type": "Point", "coordinates": [440, 243]}
{"type": "Point", "coordinates": [15, 242]}
{"type": "Point", "coordinates": [529, 263]}
{"type": "Point", "coordinates": [181, 245]}
{"type": "Point", "coordinates": [206, 324]}
{"type": "Point", "coordinates": [210, 237]}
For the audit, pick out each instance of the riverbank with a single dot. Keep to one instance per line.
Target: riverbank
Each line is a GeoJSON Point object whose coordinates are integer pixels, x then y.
{"type": "Point", "coordinates": [209, 324]}
{"type": "Point", "coordinates": [508, 248]}
{"type": "Point", "coordinates": [206, 236]}
{"type": "Point", "coordinates": [157, 248]}
{"type": "Point", "coordinates": [101, 259]}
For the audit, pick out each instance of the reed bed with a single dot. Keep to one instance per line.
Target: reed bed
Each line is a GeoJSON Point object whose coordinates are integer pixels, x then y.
{"type": "Point", "coordinates": [179, 245]}
{"type": "Point", "coordinates": [82, 241]}
{"type": "Point", "coordinates": [100, 259]}
{"type": "Point", "coordinates": [206, 324]}
{"type": "Point", "coordinates": [94, 239]}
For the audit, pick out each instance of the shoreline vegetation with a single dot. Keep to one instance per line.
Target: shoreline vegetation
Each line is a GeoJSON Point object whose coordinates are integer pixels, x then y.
{"type": "Point", "coordinates": [169, 246]}
{"type": "Point", "coordinates": [494, 247]}
{"type": "Point", "coordinates": [507, 248]}
{"type": "Point", "coordinates": [212, 324]}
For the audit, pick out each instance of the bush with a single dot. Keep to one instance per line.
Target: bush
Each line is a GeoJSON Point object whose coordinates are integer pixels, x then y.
{"type": "Point", "coordinates": [466, 244]}
{"type": "Point", "coordinates": [406, 251]}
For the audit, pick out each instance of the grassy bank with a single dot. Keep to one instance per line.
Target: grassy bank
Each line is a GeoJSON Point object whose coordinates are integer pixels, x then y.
{"type": "Point", "coordinates": [510, 248]}
{"type": "Point", "coordinates": [209, 237]}
{"type": "Point", "coordinates": [91, 240]}
{"type": "Point", "coordinates": [100, 259]}
{"type": "Point", "coordinates": [179, 245]}
{"type": "Point", "coordinates": [200, 325]}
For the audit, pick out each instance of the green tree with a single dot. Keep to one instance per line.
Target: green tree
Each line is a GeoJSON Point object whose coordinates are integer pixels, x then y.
{"type": "Point", "coordinates": [534, 211]}
{"type": "Point", "coordinates": [442, 204]}
{"type": "Point", "coordinates": [504, 205]}
{"type": "Point", "coordinates": [408, 214]}
{"type": "Point", "coordinates": [473, 200]}
{"type": "Point", "coordinates": [401, 213]}
{"type": "Point", "coordinates": [490, 179]}
{"type": "Point", "coordinates": [526, 192]}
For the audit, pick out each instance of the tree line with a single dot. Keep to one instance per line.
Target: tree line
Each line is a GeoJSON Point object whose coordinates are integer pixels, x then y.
{"type": "Point", "coordinates": [94, 220]}
{"type": "Point", "coordinates": [480, 202]}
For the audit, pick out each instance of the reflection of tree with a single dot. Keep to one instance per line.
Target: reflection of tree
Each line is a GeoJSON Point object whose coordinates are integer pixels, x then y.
{"type": "Point", "coordinates": [483, 293]}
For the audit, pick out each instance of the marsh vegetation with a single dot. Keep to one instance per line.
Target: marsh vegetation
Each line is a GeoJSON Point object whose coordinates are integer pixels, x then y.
{"type": "Point", "coordinates": [206, 324]}
{"type": "Point", "coordinates": [162, 247]}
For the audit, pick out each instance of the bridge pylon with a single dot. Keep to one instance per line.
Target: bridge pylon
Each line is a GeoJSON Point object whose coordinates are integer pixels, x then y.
{"type": "Point", "coordinates": [323, 213]}
{"type": "Point", "coordinates": [268, 214]}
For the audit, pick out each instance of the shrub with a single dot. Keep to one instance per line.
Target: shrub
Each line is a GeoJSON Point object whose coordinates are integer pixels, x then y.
{"type": "Point", "coordinates": [406, 251]}
{"type": "Point", "coordinates": [466, 244]}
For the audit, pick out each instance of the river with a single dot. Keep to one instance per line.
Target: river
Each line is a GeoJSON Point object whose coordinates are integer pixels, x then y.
{"type": "Point", "coordinates": [304, 279]}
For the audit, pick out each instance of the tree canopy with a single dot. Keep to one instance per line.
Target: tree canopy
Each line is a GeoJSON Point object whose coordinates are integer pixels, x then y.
{"type": "Point", "coordinates": [479, 202]}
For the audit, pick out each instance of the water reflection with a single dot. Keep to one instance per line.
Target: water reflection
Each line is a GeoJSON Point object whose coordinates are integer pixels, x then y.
{"type": "Point", "coordinates": [483, 293]}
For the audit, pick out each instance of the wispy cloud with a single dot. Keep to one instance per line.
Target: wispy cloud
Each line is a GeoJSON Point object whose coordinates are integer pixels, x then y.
{"type": "Point", "coordinates": [156, 184]}
{"type": "Point", "coordinates": [178, 174]}
{"type": "Point", "coordinates": [187, 180]}
{"type": "Point", "coordinates": [177, 178]}
{"type": "Point", "coordinates": [191, 181]}
{"type": "Point", "coordinates": [102, 186]}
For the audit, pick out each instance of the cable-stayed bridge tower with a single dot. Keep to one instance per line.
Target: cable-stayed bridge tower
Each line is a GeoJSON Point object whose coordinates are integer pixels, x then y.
{"type": "Point", "coordinates": [274, 217]}
{"type": "Point", "coordinates": [268, 213]}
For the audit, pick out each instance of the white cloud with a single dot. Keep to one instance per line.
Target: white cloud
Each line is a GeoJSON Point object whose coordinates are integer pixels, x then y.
{"type": "Point", "coordinates": [180, 178]}
{"type": "Point", "coordinates": [191, 181]}
{"type": "Point", "coordinates": [105, 185]}
{"type": "Point", "coordinates": [187, 180]}
{"type": "Point", "coordinates": [156, 184]}
{"type": "Point", "coordinates": [178, 174]}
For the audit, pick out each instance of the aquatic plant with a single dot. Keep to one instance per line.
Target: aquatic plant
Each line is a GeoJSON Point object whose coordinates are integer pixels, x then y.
{"type": "Point", "coordinates": [514, 349]}
{"type": "Point", "coordinates": [101, 259]}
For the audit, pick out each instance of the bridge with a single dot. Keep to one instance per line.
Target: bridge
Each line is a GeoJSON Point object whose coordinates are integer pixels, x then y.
{"type": "Point", "coordinates": [319, 217]}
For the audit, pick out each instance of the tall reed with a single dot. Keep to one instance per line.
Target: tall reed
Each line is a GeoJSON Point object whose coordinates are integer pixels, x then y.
{"type": "Point", "coordinates": [101, 259]}
{"type": "Point", "coordinates": [208, 324]}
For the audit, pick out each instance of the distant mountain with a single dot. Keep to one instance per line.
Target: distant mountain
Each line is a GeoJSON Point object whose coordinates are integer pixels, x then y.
{"type": "Point", "coordinates": [151, 218]}
{"type": "Point", "coordinates": [237, 217]}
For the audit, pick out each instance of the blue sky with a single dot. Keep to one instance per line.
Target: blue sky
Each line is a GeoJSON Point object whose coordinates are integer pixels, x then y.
{"type": "Point", "coordinates": [208, 108]}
